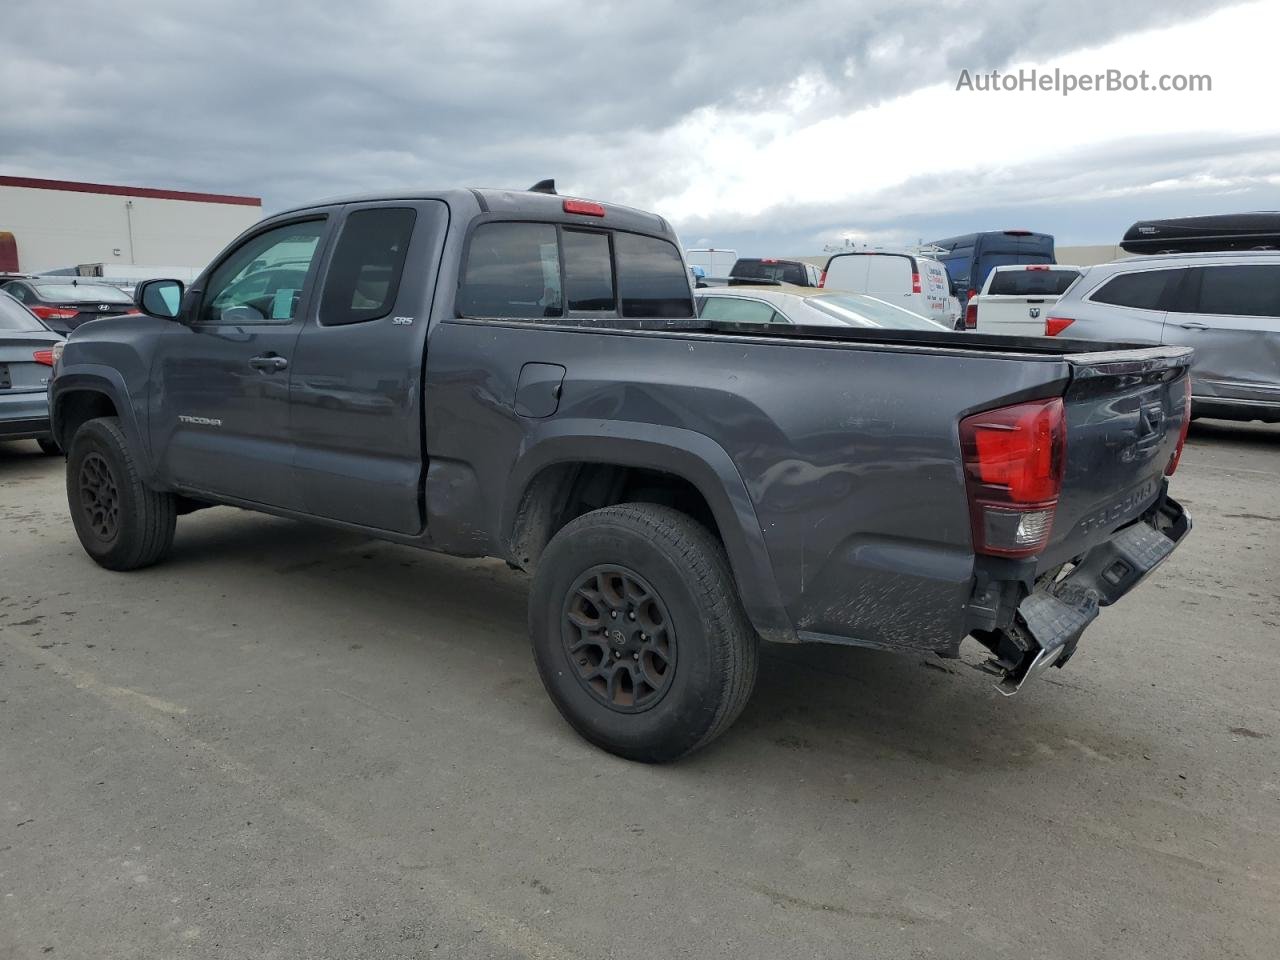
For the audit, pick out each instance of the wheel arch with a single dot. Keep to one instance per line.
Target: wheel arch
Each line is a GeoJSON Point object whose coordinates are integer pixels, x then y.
{"type": "Point", "coordinates": [83, 394]}
{"type": "Point", "coordinates": [567, 457]}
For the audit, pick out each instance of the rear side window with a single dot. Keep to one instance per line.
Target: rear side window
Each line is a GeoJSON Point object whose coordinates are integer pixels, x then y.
{"type": "Point", "coordinates": [364, 277]}
{"type": "Point", "coordinates": [588, 272]}
{"type": "Point", "coordinates": [652, 282]}
{"type": "Point", "coordinates": [1143, 290]}
{"type": "Point", "coordinates": [513, 270]}
{"type": "Point", "coordinates": [1245, 290]}
{"type": "Point", "coordinates": [1032, 283]}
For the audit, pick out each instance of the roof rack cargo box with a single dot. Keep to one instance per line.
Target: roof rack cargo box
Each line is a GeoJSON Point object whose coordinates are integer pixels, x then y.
{"type": "Point", "coordinates": [1231, 231]}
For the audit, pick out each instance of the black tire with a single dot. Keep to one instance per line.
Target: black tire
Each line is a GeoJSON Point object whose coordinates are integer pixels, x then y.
{"type": "Point", "coordinates": [50, 448]}
{"type": "Point", "coordinates": [122, 523]}
{"type": "Point", "coordinates": [714, 648]}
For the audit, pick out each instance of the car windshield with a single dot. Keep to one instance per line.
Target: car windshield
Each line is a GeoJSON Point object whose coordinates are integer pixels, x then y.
{"type": "Point", "coordinates": [871, 311]}
{"type": "Point", "coordinates": [81, 293]}
{"type": "Point", "coordinates": [14, 316]}
{"type": "Point", "coordinates": [1032, 283]}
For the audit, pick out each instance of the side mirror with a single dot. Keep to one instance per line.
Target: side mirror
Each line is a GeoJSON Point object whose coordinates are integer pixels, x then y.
{"type": "Point", "coordinates": [159, 298]}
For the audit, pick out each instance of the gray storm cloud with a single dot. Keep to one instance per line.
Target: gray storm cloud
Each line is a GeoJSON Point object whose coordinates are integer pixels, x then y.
{"type": "Point", "coordinates": [295, 101]}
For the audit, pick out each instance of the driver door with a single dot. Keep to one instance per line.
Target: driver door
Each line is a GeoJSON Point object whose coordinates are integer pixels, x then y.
{"type": "Point", "coordinates": [220, 391]}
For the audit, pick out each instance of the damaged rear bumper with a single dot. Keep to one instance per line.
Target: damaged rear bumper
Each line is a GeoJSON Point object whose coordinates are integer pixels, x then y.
{"type": "Point", "coordinates": [1049, 621]}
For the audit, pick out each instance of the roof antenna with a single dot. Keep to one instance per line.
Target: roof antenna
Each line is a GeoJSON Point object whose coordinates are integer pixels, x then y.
{"type": "Point", "coordinates": [543, 186]}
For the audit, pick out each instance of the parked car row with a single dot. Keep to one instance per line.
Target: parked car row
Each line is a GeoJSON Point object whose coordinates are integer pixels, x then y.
{"type": "Point", "coordinates": [1211, 283]}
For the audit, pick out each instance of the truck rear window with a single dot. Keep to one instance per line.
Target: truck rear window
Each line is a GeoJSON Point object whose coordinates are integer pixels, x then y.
{"type": "Point", "coordinates": [749, 268]}
{"type": "Point", "coordinates": [652, 282]}
{"type": "Point", "coordinates": [1032, 283]}
{"type": "Point", "coordinates": [515, 270]}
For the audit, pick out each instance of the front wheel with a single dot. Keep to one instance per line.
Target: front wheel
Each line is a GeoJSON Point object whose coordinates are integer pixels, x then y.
{"type": "Point", "coordinates": [638, 632]}
{"type": "Point", "coordinates": [122, 523]}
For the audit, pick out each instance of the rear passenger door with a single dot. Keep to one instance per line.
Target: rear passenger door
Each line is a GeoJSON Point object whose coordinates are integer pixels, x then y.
{"type": "Point", "coordinates": [355, 396]}
{"type": "Point", "coordinates": [1230, 314]}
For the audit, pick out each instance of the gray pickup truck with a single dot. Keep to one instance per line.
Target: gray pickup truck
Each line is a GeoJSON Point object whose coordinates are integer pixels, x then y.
{"type": "Point", "coordinates": [521, 375]}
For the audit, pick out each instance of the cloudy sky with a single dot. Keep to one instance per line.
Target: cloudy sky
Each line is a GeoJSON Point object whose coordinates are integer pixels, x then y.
{"type": "Point", "coordinates": [768, 127]}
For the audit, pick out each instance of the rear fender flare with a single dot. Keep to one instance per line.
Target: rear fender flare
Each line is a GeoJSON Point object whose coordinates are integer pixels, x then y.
{"type": "Point", "coordinates": [691, 456]}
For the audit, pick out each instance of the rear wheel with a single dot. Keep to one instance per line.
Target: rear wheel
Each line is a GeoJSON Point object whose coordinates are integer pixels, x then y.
{"type": "Point", "coordinates": [638, 632]}
{"type": "Point", "coordinates": [122, 524]}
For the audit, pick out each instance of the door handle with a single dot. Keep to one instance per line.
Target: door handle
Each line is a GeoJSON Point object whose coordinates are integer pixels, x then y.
{"type": "Point", "coordinates": [1194, 326]}
{"type": "Point", "coordinates": [270, 363]}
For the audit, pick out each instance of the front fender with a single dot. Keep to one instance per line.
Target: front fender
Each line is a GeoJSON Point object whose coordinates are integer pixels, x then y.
{"type": "Point", "coordinates": [691, 456]}
{"type": "Point", "coordinates": [97, 378]}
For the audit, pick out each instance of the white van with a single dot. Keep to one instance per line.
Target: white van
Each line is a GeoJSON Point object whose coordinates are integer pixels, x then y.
{"type": "Point", "coordinates": [909, 280]}
{"type": "Point", "coordinates": [714, 262]}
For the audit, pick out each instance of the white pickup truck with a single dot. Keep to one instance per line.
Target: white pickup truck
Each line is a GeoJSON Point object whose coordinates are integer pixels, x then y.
{"type": "Point", "coordinates": [1016, 298]}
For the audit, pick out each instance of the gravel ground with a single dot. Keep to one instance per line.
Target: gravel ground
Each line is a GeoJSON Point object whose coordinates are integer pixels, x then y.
{"type": "Point", "coordinates": [290, 742]}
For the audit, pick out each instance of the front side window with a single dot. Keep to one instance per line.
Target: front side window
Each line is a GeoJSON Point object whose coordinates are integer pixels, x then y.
{"type": "Point", "coordinates": [1240, 290]}
{"type": "Point", "coordinates": [1143, 290]}
{"type": "Point", "coordinates": [513, 270]}
{"type": "Point", "coordinates": [652, 283]}
{"type": "Point", "coordinates": [262, 281]}
{"type": "Point", "coordinates": [364, 276]}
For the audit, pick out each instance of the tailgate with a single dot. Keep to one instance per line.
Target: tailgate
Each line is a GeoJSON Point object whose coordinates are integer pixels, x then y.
{"type": "Point", "coordinates": [1125, 411]}
{"type": "Point", "coordinates": [1014, 315]}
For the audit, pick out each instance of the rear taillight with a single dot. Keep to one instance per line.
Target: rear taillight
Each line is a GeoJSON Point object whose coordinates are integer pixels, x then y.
{"type": "Point", "coordinates": [1055, 325]}
{"type": "Point", "coordinates": [1013, 463]}
{"type": "Point", "coordinates": [585, 208]}
{"type": "Point", "coordinates": [822, 280]}
{"type": "Point", "coordinates": [971, 314]}
{"type": "Point", "coordinates": [915, 283]}
{"type": "Point", "coordinates": [54, 313]}
{"type": "Point", "coordinates": [1182, 434]}
{"type": "Point", "coordinates": [43, 356]}
{"type": "Point", "coordinates": [1037, 266]}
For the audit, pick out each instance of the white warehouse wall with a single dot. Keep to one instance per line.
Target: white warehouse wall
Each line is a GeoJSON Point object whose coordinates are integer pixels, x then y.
{"type": "Point", "coordinates": [59, 227]}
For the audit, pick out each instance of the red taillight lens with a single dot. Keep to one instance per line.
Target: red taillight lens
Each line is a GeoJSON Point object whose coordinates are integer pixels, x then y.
{"type": "Point", "coordinates": [584, 207]}
{"type": "Point", "coordinates": [1182, 434]}
{"type": "Point", "coordinates": [1013, 461]}
{"type": "Point", "coordinates": [1055, 325]}
{"type": "Point", "coordinates": [1038, 266]}
{"type": "Point", "coordinates": [43, 356]}
{"type": "Point", "coordinates": [971, 315]}
{"type": "Point", "coordinates": [54, 313]}
{"type": "Point", "coordinates": [822, 280]}
{"type": "Point", "coordinates": [915, 283]}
